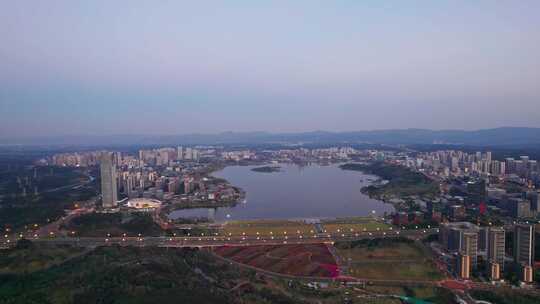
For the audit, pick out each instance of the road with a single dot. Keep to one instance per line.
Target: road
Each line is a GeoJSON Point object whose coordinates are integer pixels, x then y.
{"type": "Point", "coordinates": [227, 240]}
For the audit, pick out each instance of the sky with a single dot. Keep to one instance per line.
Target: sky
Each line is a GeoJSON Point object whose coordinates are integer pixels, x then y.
{"type": "Point", "coordinates": [175, 67]}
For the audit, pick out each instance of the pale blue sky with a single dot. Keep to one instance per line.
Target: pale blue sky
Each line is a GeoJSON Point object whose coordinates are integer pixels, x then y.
{"type": "Point", "coordinates": [166, 67]}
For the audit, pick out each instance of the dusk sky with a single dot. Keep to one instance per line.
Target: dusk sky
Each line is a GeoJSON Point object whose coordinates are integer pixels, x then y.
{"type": "Point", "coordinates": [175, 67]}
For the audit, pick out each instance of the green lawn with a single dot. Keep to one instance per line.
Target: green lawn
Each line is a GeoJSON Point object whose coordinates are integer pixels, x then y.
{"type": "Point", "coordinates": [267, 227]}
{"type": "Point", "coordinates": [399, 259]}
{"type": "Point", "coordinates": [354, 224]}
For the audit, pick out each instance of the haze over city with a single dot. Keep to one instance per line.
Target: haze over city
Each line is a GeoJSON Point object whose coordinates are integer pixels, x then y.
{"type": "Point", "coordinates": [175, 67]}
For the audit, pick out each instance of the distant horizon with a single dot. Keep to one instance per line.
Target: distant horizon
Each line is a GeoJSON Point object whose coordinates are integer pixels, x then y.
{"type": "Point", "coordinates": [268, 132]}
{"type": "Point", "coordinates": [483, 137]}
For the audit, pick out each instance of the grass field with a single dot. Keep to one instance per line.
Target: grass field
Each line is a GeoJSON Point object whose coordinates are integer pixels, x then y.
{"type": "Point", "coordinates": [298, 260]}
{"type": "Point", "coordinates": [354, 224]}
{"type": "Point", "coordinates": [280, 227]}
{"type": "Point", "coordinates": [398, 259]}
{"type": "Point", "coordinates": [344, 228]}
{"type": "Point", "coordinates": [267, 227]}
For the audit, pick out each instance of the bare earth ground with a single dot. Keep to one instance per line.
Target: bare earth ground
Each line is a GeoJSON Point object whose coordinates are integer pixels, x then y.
{"type": "Point", "coordinates": [313, 260]}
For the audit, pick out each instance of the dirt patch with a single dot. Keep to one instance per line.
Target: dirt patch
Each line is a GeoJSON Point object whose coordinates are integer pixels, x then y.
{"type": "Point", "coordinates": [307, 260]}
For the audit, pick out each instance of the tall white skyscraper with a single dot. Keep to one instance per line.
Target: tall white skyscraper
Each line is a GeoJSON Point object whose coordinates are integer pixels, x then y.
{"type": "Point", "coordinates": [109, 191]}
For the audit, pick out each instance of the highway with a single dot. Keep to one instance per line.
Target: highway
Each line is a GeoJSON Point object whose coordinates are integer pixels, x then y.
{"type": "Point", "coordinates": [227, 240]}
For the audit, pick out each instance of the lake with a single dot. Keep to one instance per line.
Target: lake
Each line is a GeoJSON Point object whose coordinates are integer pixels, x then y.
{"type": "Point", "coordinates": [295, 192]}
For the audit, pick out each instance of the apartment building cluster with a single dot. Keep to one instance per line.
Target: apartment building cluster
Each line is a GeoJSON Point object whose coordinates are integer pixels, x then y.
{"type": "Point", "coordinates": [458, 163]}
{"type": "Point", "coordinates": [291, 155]}
{"type": "Point", "coordinates": [76, 159]}
{"type": "Point", "coordinates": [154, 157]}
{"type": "Point", "coordinates": [517, 204]}
{"type": "Point", "coordinates": [162, 174]}
{"type": "Point", "coordinates": [468, 242]}
{"type": "Point", "coordinates": [322, 154]}
{"type": "Point", "coordinates": [168, 156]}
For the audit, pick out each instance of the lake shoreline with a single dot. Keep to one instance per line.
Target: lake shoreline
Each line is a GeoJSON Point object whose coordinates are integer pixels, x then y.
{"type": "Point", "coordinates": [296, 184]}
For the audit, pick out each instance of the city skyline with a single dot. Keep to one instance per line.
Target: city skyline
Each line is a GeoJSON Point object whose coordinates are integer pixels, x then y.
{"type": "Point", "coordinates": [177, 68]}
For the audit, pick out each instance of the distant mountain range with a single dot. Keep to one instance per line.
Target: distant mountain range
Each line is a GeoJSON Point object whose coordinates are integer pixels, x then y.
{"type": "Point", "coordinates": [506, 136]}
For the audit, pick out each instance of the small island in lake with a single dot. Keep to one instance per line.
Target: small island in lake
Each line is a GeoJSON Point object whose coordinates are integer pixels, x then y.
{"type": "Point", "coordinates": [267, 169]}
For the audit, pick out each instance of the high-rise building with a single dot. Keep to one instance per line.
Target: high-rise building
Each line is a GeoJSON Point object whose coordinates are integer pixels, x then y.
{"type": "Point", "coordinates": [188, 154]}
{"type": "Point", "coordinates": [188, 184]}
{"type": "Point", "coordinates": [109, 194]}
{"type": "Point", "coordinates": [494, 271]}
{"type": "Point", "coordinates": [534, 198]}
{"type": "Point", "coordinates": [162, 158]}
{"type": "Point", "coordinates": [478, 156]}
{"type": "Point", "coordinates": [483, 239]}
{"type": "Point", "coordinates": [464, 266]}
{"type": "Point", "coordinates": [129, 187]}
{"type": "Point", "coordinates": [455, 163]}
{"type": "Point", "coordinates": [523, 244]}
{"type": "Point", "coordinates": [179, 153]}
{"type": "Point", "coordinates": [469, 246]}
{"type": "Point", "coordinates": [520, 208]}
{"type": "Point", "coordinates": [495, 248]}
{"type": "Point", "coordinates": [118, 158]}
{"type": "Point", "coordinates": [527, 274]}
{"type": "Point", "coordinates": [462, 238]}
